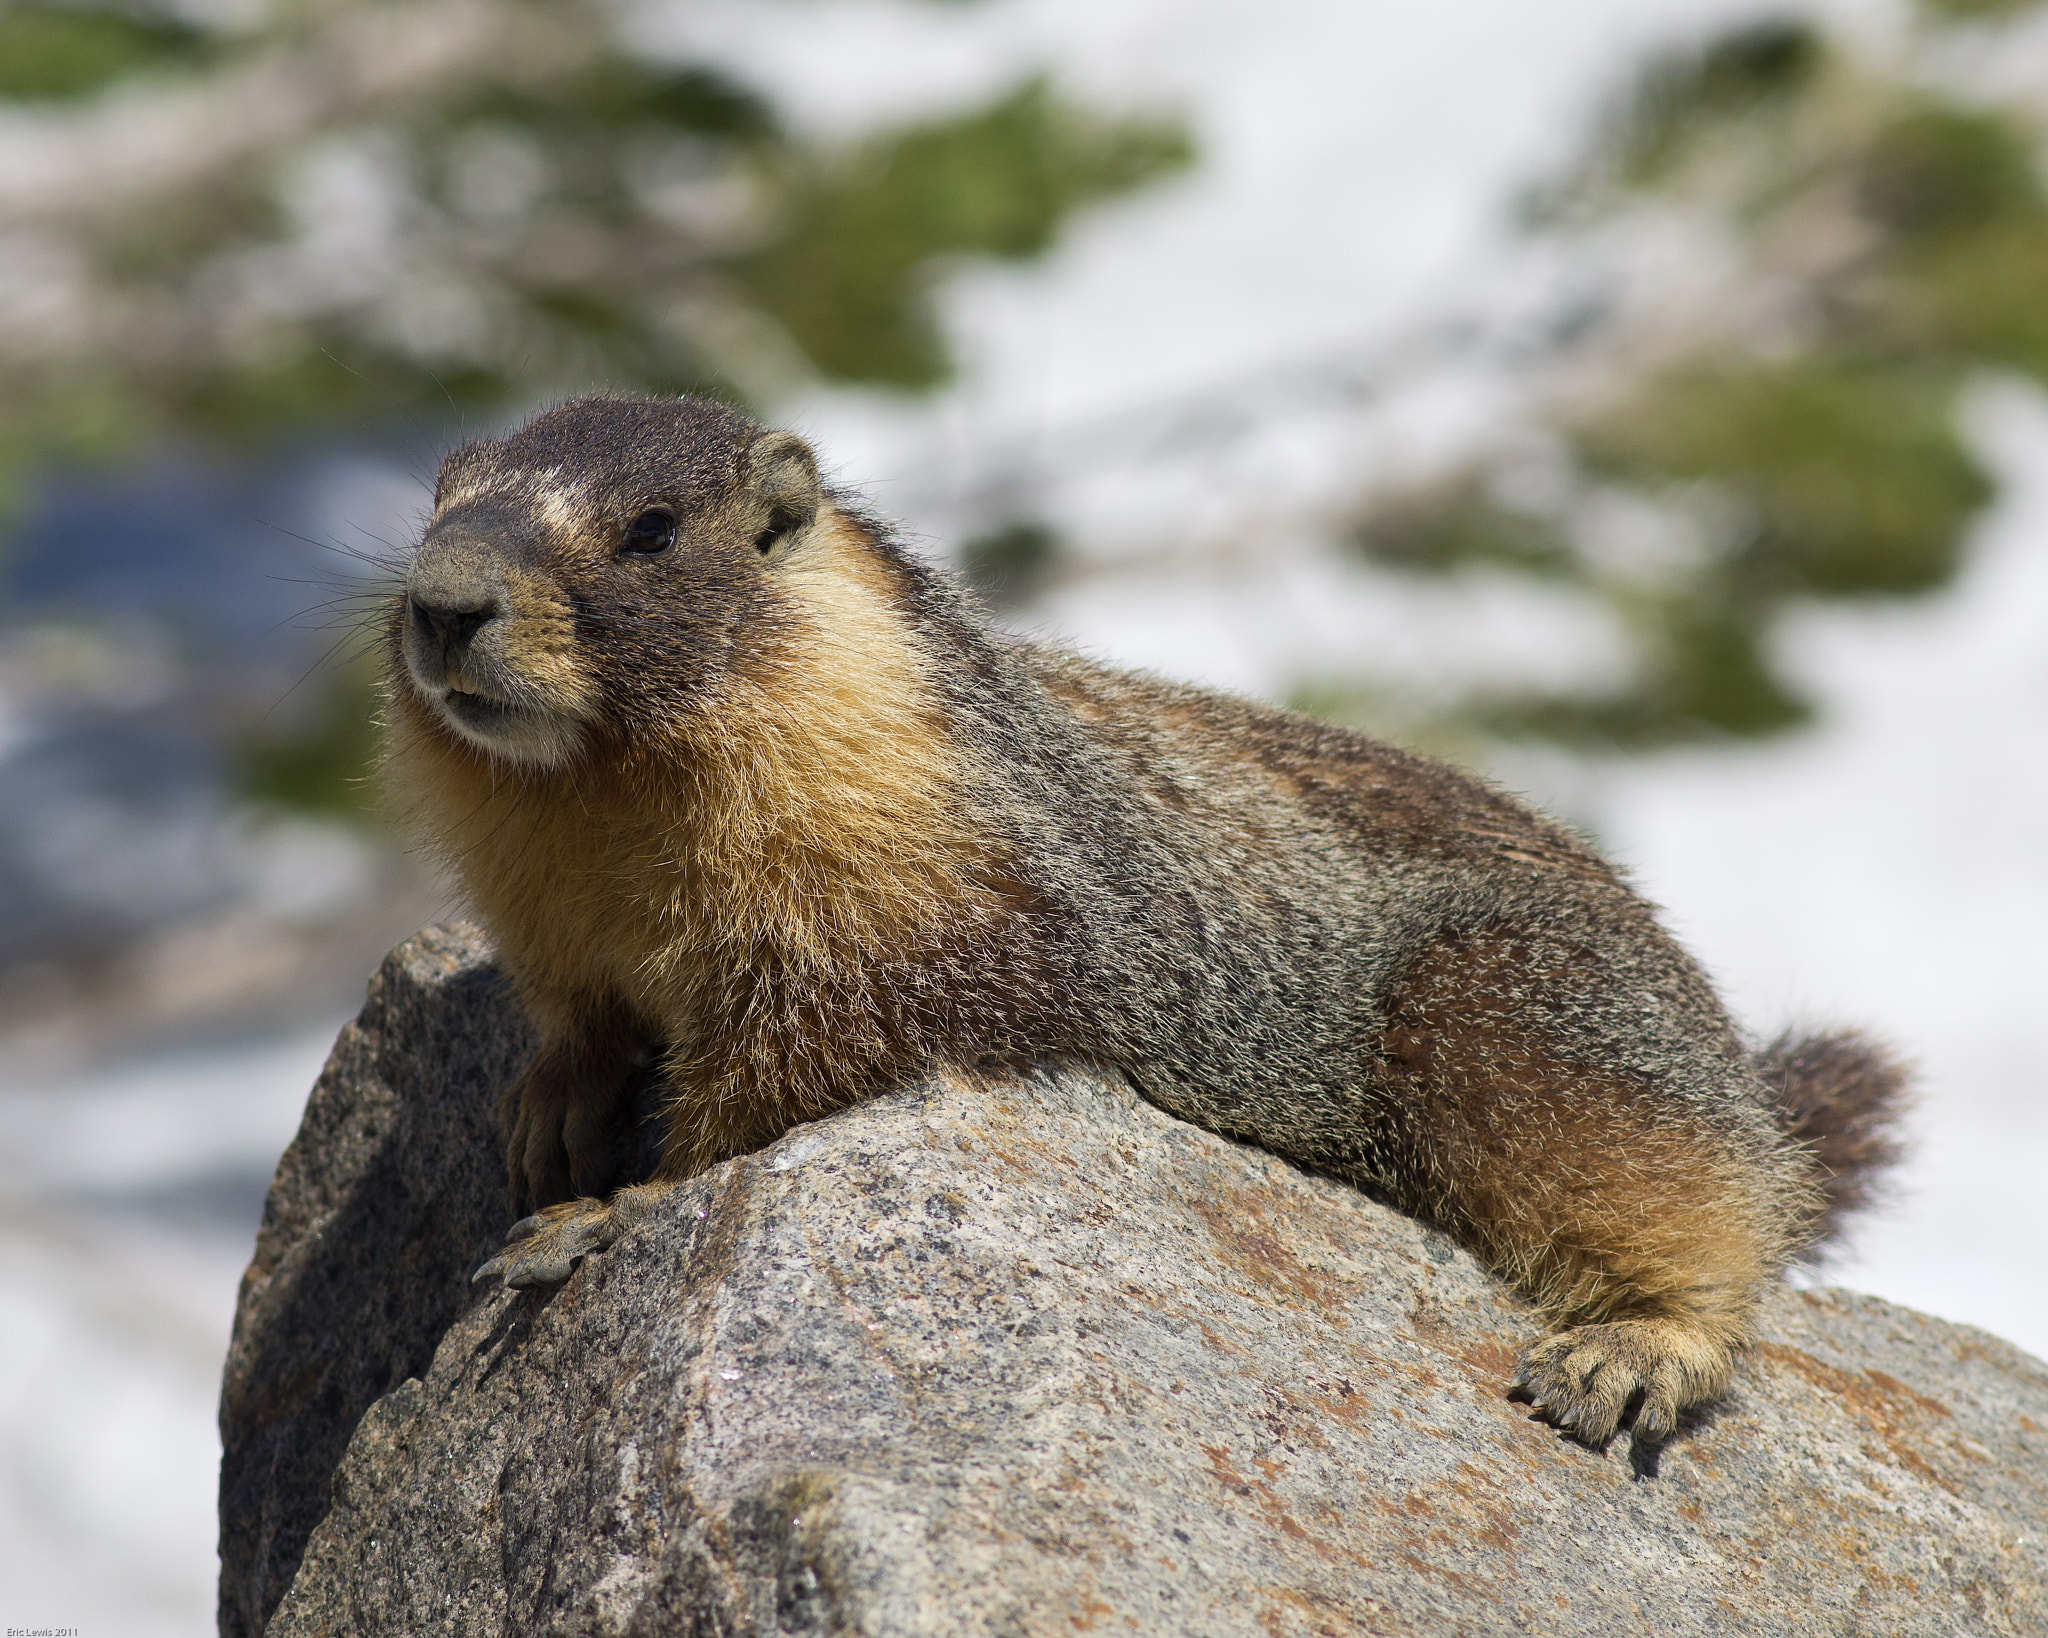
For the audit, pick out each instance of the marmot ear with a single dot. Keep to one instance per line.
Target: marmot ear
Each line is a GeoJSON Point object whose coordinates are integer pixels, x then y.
{"type": "Point", "coordinates": [782, 473]}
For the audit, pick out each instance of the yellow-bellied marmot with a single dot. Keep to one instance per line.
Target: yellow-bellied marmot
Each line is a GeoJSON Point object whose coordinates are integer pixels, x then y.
{"type": "Point", "coordinates": [737, 782]}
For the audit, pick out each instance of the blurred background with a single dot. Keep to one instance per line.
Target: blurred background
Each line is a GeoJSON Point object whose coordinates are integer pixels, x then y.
{"type": "Point", "coordinates": [1641, 401]}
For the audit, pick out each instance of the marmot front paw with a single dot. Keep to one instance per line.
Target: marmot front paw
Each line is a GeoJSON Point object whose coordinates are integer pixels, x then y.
{"type": "Point", "coordinates": [543, 1249]}
{"type": "Point", "coordinates": [1595, 1380]}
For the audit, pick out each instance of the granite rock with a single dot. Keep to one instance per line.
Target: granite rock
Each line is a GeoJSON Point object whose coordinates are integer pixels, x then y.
{"type": "Point", "coordinates": [1026, 1356]}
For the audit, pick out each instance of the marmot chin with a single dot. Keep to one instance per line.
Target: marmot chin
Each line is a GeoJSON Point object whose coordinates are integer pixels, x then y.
{"type": "Point", "coordinates": [739, 785]}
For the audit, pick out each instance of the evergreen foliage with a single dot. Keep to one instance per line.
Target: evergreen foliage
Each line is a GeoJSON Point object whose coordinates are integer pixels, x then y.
{"type": "Point", "coordinates": [1010, 564]}
{"type": "Point", "coordinates": [1976, 10]}
{"type": "Point", "coordinates": [51, 53]}
{"type": "Point", "coordinates": [545, 208]}
{"type": "Point", "coordinates": [363, 215]}
{"type": "Point", "coordinates": [1893, 242]}
{"type": "Point", "coordinates": [862, 234]}
{"type": "Point", "coordinates": [321, 762]}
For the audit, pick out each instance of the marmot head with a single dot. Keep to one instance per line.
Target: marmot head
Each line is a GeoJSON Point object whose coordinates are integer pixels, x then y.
{"type": "Point", "coordinates": [598, 571]}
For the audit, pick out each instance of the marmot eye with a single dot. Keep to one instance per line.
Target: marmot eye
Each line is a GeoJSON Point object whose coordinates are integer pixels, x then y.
{"type": "Point", "coordinates": [650, 532]}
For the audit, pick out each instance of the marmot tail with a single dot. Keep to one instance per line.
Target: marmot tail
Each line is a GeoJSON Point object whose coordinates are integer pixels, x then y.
{"type": "Point", "coordinates": [1842, 1096]}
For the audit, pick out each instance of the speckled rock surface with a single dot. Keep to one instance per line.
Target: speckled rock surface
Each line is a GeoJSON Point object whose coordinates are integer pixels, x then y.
{"type": "Point", "coordinates": [391, 1193]}
{"type": "Point", "coordinates": [1022, 1359]}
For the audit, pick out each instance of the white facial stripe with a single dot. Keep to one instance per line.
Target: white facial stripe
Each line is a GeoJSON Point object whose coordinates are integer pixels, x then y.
{"type": "Point", "coordinates": [557, 498]}
{"type": "Point", "coordinates": [559, 508]}
{"type": "Point", "coordinates": [481, 486]}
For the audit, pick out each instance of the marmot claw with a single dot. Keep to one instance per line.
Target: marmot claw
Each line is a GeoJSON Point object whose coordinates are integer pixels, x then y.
{"type": "Point", "coordinates": [1597, 1380]}
{"type": "Point", "coordinates": [542, 1249]}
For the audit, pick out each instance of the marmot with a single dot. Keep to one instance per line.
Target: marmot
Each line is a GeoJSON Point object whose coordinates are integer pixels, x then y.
{"type": "Point", "coordinates": [740, 785]}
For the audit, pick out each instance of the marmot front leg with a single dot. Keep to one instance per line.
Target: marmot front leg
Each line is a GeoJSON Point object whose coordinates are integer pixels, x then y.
{"type": "Point", "coordinates": [544, 1248]}
{"type": "Point", "coordinates": [564, 1120]}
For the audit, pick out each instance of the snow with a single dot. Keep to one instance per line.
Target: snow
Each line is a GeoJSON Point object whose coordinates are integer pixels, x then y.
{"type": "Point", "coordinates": [128, 1204]}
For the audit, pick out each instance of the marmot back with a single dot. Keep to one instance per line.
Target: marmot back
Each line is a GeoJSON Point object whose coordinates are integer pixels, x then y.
{"type": "Point", "coordinates": [742, 787]}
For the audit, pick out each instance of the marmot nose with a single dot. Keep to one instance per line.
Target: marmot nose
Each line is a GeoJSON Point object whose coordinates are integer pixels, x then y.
{"type": "Point", "coordinates": [451, 623]}
{"type": "Point", "coordinates": [452, 593]}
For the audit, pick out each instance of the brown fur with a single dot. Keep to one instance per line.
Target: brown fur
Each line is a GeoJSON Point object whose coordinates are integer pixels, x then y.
{"type": "Point", "coordinates": [803, 838]}
{"type": "Point", "coordinates": [763, 797]}
{"type": "Point", "coordinates": [1840, 1094]}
